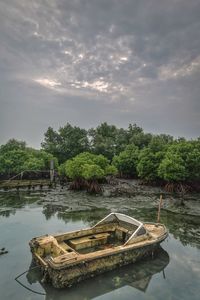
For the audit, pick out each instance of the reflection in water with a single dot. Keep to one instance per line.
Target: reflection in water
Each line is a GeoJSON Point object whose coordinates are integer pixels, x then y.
{"type": "Point", "coordinates": [11, 201]}
{"type": "Point", "coordinates": [91, 216]}
{"type": "Point", "coordinates": [27, 214]}
{"type": "Point", "coordinates": [186, 228]}
{"type": "Point", "coordinates": [137, 276]}
{"type": "Point", "coordinates": [72, 207]}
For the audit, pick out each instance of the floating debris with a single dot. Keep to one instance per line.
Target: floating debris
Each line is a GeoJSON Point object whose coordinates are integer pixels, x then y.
{"type": "Point", "coordinates": [3, 251]}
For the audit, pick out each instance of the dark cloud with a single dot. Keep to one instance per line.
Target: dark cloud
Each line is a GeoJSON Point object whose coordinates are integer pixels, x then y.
{"type": "Point", "coordinates": [88, 61]}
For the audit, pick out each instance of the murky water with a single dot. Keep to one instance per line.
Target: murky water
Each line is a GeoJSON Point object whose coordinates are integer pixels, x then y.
{"type": "Point", "coordinates": [173, 274]}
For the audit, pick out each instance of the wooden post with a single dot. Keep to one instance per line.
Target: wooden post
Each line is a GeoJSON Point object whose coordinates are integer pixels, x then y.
{"type": "Point", "coordinates": [51, 171]}
{"type": "Point", "coordinates": [164, 274]}
{"type": "Point", "coordinates": [159, 208]}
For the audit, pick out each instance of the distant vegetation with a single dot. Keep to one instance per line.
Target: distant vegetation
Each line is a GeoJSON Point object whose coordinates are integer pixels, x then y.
{"type": "Point", "coordinates": [15, 157]}
{"type": "Point", "coordinates": [87, 156]}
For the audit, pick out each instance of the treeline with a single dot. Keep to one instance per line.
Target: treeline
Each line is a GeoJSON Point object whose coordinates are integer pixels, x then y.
{"type": "Point", "coordinates": [16, 157]}
{"type": "Point", "coordinates": [105, 139]}
{"type": "Point", "coordinates": [90, 155]}
{"type": "Point", "coordinates": [132, 151]}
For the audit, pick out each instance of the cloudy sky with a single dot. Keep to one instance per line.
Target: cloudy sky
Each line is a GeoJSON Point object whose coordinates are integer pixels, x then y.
{"type": "Point", "coordinates": [89, 61]}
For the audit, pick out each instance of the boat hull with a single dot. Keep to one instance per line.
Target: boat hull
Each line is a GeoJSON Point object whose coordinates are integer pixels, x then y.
{"type": "Point", "coordinates": [74, 273]}
{"type": "Point", "coordinates": [115, 241]}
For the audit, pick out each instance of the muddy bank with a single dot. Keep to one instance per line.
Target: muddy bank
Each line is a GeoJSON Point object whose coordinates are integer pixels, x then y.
{"type": "Point", "coordinates": [122, 195]}
{"type": "Point", "coordinates": [148, 195]}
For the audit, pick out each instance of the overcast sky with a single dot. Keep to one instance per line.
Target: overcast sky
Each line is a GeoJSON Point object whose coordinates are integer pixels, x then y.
{"type": "Point", "coordinates": [90, 61]}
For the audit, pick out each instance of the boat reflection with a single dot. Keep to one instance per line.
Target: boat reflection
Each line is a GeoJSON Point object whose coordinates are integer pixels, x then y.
{"type": "Point", "coordinates": [137, 276]}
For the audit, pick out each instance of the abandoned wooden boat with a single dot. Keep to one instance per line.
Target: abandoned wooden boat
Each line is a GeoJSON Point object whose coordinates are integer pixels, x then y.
{"type": "Point", "coordinates": [114, 241]}
{"type": "Point", "coordinates": [137, 276]}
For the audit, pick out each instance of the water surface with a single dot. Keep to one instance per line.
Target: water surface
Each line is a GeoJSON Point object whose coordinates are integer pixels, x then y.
{"type": "Point", "coordinates": [173, 274]}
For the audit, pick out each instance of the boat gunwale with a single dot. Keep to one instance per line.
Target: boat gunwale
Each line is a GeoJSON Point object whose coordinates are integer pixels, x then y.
{"type": "Point", "coordinates": [104, 252]}
{"type": "Point", "coordinates": [83, 258]}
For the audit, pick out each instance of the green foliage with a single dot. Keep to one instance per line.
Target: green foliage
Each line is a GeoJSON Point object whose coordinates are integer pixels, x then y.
{"type": "Point", "coordinates": [86, 154]}
{"type": "Point", "coordinates": [15, 157]}
{"type": "Point", "coordinates": [172, 168]}
{"type": "Point", "coordinates": [103, 140]}
{"type": "Point", "coordinates": [121, 141]}
{"type": "Point", "coordinates": [100, 160]}
{"type": "Point", "coordinates": [126, 161]}
{"type": "Point", "coordinates": [66, 143]}
{"type": "Point", "coordinates": [92, 172]}
{"type": "Point", "coordinates": [150, 157]}
{"type": "Point", "coordinates": [148, 163]}
{"type": "Point", "coordinates": [193, 164]}
{"type": "Point", "coordinates": [12, 145]}
{"type": "Point", "coordinates": [46, 157]}
{"type": "Point", "coordinates": [160, 143]}
{"type": "Point", "coordinates": [61, 169]}
{"type": "Point", "coordinates": [87, 166]}
{"type": "Point", "coordinates": [181, 162]}
{"type": "Point", "coordinates": [34, 164]}
{"type": "Point", "coordinates": [111, 170]}
{"type": "Point", "coordinates": [51, 142]}
{"type": "Point", "coordinates": [110, 140]}
{"type": "Point", "coordinates": [137, 137]}
{"type": "Point", "coordinates": [74, 168]}
{"type": "Point", "coordinates": [12, 161]}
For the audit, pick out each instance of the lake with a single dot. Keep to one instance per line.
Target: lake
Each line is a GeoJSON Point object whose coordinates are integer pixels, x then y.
{"type": "Point", "coordinates": [173, 274]}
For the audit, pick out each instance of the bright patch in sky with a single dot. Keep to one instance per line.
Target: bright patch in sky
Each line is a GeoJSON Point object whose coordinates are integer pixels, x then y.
{"type": "Point", "coordinates": [123, 58]}
{"type": "Point", "coordinates": [97, 85]}
{"type": "Point", "coordinates": [48, 83]}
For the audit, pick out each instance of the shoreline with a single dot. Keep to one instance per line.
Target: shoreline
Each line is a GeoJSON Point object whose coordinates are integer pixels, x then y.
{"type": "Point", "coordinates": [126, 194]}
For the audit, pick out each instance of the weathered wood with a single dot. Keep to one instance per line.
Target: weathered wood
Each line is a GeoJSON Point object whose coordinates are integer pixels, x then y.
{"type": "Point", "coordinates": [104, 249]}
{"type": "Point", "coordinates": [17, 184]}
{"type": "Point", "coordinates": [79, 271]}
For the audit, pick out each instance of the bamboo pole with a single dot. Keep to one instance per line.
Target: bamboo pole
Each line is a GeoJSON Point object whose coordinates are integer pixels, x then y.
{"type": "Point", "coordinates": [159, 208]}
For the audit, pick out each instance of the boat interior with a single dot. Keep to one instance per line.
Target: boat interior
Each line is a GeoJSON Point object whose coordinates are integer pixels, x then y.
{"type": "Point", "coordinates": [108, 233]}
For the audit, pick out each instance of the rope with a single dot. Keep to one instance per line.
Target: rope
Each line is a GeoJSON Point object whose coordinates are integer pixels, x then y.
{"type": "Point", "coordinates": [26, 287]}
